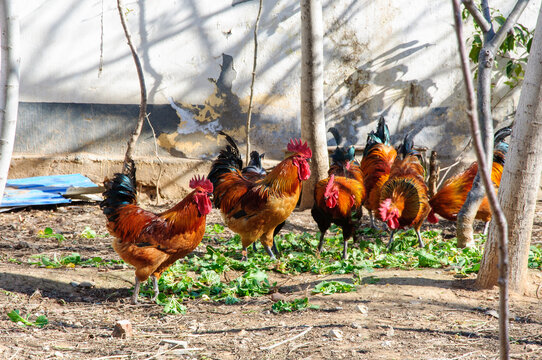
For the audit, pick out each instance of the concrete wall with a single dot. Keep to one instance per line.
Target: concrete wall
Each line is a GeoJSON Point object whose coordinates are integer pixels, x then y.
{"type": "Point", "coordinates": [80, 92]}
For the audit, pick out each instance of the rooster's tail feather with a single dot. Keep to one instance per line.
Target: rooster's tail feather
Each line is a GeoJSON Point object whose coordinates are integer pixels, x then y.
{"type": "Point", "coordinates": [119, 192]}
{"type": "Point", "coordinates": [382, 131]}
{"type": "Point", "coordinates": [407, 147]}
{"type": "Point", "coordinates": [502, 134]}
{"type": "Point", "coordinates": [338, 138]}
{"type": "Point", "coordinates": [500, 147]}
{"type": "Point", "coordinates": [381, 136]}
{"type": "Point", "coordinates": [255, 164]}
{"type": "Point", "coordinates": [228, 160]}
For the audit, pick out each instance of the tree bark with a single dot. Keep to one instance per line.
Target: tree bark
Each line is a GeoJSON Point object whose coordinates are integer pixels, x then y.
{"type": "Point", "coordinates": [313, 127]}
{"type": "Point", "coordinates": [521, 177]}
{"type": "Point", "coordinates": [9, 86]}
{"type": "Point", "coordinates": [486, 60]}
{"type": "Point", "coordinates": [485, 174]}
{"type": "Point", "coordinates": [128, 158]}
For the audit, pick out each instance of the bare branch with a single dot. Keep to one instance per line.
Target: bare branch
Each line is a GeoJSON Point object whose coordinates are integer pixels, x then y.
{"type": "Point", "coordinates": [143, 106]}
{"type": "Point", "coordinates": [477, 15]}
{"type": "Point", "coordinates": [249, 114]}
{"type": "Point", "coordinates": [158, 197]}
{"type": "Point", "coordinates": [492, 197]}
{"type": "Point", "coordinates": [511, 20]}
{"type": "Point", "coordinates": [457, 160]}
{"type": "Point", "coordinates": [433, 174]}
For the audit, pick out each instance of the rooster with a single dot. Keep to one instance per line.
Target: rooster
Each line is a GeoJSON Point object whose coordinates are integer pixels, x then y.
{"type": "Point", "coordinates": [253, 171]}
{"type": "Point", "coordinates": [452, 195]}
{"type": "Point", "coordinates": [378, 157]}
{"type": "Point", "coordinates": [253, 209]}
{"type": "Point", "coordinates": [338, 198]}
{"type": "Point", "coordinates": [403, 198]}
{"type": "Point", "coordinates": [152, 242]}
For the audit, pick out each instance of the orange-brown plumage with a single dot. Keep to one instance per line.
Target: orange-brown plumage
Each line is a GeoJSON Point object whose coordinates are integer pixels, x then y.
{"type": "Point", "coordinates": [378, 158]}
{"type": "Point", "coordinates": [337, 200]}
{"type": "Point", "coordinates": [403, 198]}
{"type": "Point", "coordinates": [449, 200]}
{"type": "Point", "coordinates": [253, 209]}
{"type": "Point", "coordinates": [376, 167]}
{"type": "Point", "coordinates": [152, 242]}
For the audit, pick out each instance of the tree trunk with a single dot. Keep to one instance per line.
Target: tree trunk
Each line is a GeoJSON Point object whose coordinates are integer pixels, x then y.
{"type": "Point", "coordinates": [486, 60]}
{"type": "Point", "coordinates": [313, 127]}
{"type": "Point", "coordinates": [521, 177]}
{"type": "Point", "coordinates": [9, 86]}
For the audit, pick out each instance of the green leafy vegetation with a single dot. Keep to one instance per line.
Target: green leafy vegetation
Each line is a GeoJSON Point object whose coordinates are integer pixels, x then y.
{"type": "Point", "coordinates": [332, 287]}
{"type": "Point", "coordinates": [71, 260]}
{"type": "Point", "coordinates": [295, 305]}
{"type": "Point", "coordinates": [511, 57]}
{"type": "Point", "coordinates": [16, 317]}
{"type": "Point", "coordinates": [88, 233]}
{"type": "Point", "coordinates": [49, 233]}
{"type": "Point", "coordinates": [208, 277]}
{"type": "Point", "coordinates": [535, 257]}
{"type": "Point", "coordinates": [219, 275]}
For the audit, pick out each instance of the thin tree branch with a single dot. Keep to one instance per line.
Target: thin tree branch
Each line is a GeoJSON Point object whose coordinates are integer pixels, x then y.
{"type": "Point", "coordinates": [511, 20]}
{"type": "Point", "coordinates": [457, 160]}
{"type": "Point", "coordinates": [101, 64]}
{"type": "Point", "coordinates": [143, 106]}
{"type": "Point", "coordinates": [249, 114]}
{"type": "Point", "coordinates": [486, 11]}
{"type": "Point", "coordinates": [477, 15]}
{"type": "Point", "coordinates": [492, 197]}
{"type": "Point", "coordinates": [158, 197]}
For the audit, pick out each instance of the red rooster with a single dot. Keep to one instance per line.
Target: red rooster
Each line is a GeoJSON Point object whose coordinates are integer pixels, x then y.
{"type": "Point", "coordinates": [152, 242]}
{"type": "Point", "coordinates": [378, 157]}
{"type": "Point", "coordinates": [337, 200]}
{"type": "Point", "coordinates": [452, 195]}
{"type": "Point", "coordinates": [253, 209]}
{"type": "Point", "coordinates": [403, 198]}
{"type": "Point", "coordinates": [253, 171]}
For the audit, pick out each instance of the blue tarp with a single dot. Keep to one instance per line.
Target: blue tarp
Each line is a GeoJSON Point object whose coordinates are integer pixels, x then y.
{"type": "Point", "coordinates": [42, 190]}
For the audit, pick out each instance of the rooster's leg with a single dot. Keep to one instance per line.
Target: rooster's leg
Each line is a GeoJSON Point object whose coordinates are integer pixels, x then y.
{"type": "Point", "coordinates": [270, 252]}
{"type": "Point", "coordinates": [275, 250]}
{"type": "Point", "coordinates": [155, 288]}
{"type": "Point", "coordinates": [136, 291]}
{"type": "Point", "coordinates": [420, 241]}
{"type": "Point", "coordinates": [254, 246]}
{"type": "Point", "coordinates": [372, 219]}
{"type": "Point", "coordinates": [486, 228]}
{"type": "Point", "coordinates": [345, 247]}
{"type": "Point", "coordinates": [391, 239]}
{"type": "Point", "coordinates": [321, 243]}
{"type": "Point", "coordinates": [244, 252]}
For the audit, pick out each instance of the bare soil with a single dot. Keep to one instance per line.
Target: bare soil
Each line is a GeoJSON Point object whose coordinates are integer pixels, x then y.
{"type": "Point", "coordinates": [419, 314]}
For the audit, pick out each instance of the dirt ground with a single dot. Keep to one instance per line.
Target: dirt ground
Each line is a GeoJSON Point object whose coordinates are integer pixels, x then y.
{"type": "Point", "coordinates": [421, 314]}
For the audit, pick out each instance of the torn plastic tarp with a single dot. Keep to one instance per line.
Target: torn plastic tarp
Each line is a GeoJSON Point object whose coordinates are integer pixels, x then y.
{"type": "Point", "coordinates": [43, 190]}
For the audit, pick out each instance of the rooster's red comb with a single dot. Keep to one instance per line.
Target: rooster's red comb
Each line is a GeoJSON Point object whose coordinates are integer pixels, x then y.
{"type": "Point", "coordinates": [297, 146]}
{"type": "Point", "coordinates": [202, 182]}
{"type": "Point", "coordinates": [329, 185]}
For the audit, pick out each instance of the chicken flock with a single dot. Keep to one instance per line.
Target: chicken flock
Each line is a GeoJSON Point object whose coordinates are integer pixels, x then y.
{"type": "Point", "coordinates": [388, 182]}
